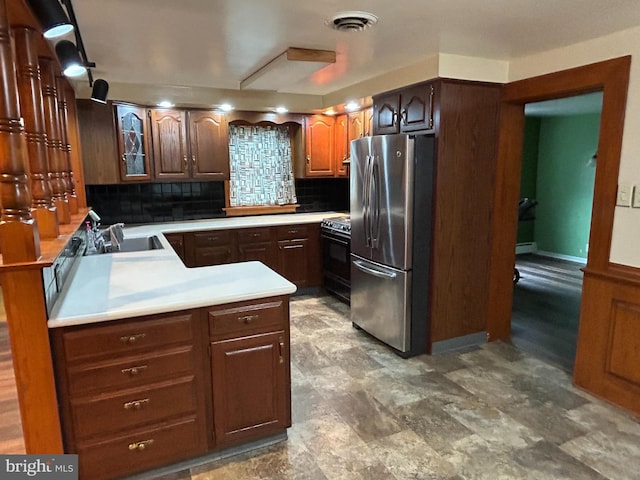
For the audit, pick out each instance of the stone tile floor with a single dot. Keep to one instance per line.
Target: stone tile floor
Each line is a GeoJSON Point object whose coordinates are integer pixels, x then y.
{"type": "Point", "coordinates": [361, 412]}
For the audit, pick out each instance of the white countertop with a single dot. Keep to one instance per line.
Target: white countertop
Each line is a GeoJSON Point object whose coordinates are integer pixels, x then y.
{"type": "Point", "coordinates": [130, 284]}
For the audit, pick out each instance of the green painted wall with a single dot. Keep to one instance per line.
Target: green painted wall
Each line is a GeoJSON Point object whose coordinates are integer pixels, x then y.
{"type": "Point", "coordinates": [565, 183]}
{"type": "Point", "coordinates": [528, 178]}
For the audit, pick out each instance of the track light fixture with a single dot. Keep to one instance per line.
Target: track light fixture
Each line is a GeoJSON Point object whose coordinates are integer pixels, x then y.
{"type": "Point", "coordinates": [70, 60]}
{"type": "Point", "coordinates": [100, 91]}
{"type": "Point", "coordinates": [52, 17]}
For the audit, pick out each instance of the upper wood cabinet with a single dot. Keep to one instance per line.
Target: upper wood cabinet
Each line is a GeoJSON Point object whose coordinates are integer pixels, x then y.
{"type": "Point", "coordinates": [349, 127]}
{"type": "Point", "coordinates": [98, 141]}
{"type": "Point", "coordinates": [341, 147]}
{"type": "Point", "coordinates": [169, 129]}
{"type": "Point", "coordinates": [190, 145]}
{"type": "Point", "coordinates": [319, 132]}
{"type": "Point", "coordinates": [133, 145]}
{"type": "Point", "coordinates": [209, 135]}
{"type": "Point", "coordinates": [404, 111]}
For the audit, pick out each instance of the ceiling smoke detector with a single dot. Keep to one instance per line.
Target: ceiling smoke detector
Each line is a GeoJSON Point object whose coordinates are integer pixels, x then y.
{"type": "Point", "coordinates": [352, 21]}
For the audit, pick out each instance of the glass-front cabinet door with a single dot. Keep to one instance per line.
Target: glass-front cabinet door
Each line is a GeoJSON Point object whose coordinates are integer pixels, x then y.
{"type": "Point", "coordinates": [133, 127]}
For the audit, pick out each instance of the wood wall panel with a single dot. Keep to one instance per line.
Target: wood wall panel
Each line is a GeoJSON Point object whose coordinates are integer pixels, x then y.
{"type": "Point", "coordinates": [465, 178]}
{"type": "Point", "coordinates": [623, 349]}
{"type": "Point", "coordinates": [608, 352]}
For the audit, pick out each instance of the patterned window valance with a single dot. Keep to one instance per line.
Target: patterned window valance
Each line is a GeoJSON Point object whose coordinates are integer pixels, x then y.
{"type": "Point", "coordinates": [261, 167]}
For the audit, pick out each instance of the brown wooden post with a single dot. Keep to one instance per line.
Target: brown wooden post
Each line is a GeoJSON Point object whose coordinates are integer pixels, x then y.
{"type": "Point", "coordinates": [22, 286]}
{"type": "Point", "coordinates": [32, 107]}
{"type": "Point", "coordinates": [64, 145]}
{"type": "Point", "coordinates": [18, 229]}
{"type": "Point", "coordinates": [76, 150]}
{"type": "Point", "coordinates": [52, 125]}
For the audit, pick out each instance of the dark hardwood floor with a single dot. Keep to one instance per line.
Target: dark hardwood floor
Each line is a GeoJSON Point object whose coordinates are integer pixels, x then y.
{"type": "Point", "coordinates": [546, 308]}
{"type": "Point", "coordinates": [11, 440]}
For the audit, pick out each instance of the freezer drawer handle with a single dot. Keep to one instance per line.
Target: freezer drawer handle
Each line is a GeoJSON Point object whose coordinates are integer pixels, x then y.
{"type": "Point", "coordinates": [376, 273]}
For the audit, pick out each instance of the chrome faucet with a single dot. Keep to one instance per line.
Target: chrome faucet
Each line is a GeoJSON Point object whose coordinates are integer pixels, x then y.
{"type": "Point", "coordinates": [116, 235]}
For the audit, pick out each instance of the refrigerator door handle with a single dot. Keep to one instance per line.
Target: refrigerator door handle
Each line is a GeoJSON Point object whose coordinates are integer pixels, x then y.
{"type": "Point", "coordinates": [367, 200]}
{"type": "Point", "coordinates": [375, 189]}
{"type": "Point", "coordinates": [376, 273]}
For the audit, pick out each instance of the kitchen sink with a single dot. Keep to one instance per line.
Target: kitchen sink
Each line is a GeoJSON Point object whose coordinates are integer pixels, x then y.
{"type": "Point", "coordinates": [135, 244]}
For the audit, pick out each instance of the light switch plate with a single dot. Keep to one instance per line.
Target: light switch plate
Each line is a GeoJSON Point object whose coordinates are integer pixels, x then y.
{"type": "Point", "coordinates": [624, 195]}
{"type": "Point", "coordinates": [636, 196]}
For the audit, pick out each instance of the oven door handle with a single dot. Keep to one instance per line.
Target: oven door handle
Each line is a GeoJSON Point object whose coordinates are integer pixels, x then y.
{"type": "Point", "coordinates": [372, 271]}
{"type": "Point", "coordinates": [335, 238]}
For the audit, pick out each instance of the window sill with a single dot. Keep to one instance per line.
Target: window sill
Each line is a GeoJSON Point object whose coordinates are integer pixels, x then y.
{"type": "Point", "coordinates": [260, 210]}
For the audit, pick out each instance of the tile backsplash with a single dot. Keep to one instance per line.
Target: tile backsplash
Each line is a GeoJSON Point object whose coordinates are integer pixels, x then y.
{"type": "Point", "coordinates": [171, 202]}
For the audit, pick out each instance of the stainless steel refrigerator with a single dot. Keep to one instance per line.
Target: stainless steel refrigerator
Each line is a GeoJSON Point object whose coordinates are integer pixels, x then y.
{"type": "Point", "coordinates": [392, 189]}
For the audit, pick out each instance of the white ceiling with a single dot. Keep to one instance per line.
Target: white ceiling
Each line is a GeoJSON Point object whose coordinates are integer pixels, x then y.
{"type": "Point", "coordinates": [218, 43]}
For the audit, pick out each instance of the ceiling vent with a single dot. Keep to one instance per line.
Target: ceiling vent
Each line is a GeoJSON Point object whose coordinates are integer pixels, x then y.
{"type": "Point", "coordinates": [352, 21]}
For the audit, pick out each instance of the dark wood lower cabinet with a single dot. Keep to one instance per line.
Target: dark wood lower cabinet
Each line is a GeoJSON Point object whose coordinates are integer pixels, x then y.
{"type": "Point", "coordinates": [136, 394]}
{"type": "Point", "coordinates": [294, 251]}
{"type": "Point", "coordinates": [249, 379]}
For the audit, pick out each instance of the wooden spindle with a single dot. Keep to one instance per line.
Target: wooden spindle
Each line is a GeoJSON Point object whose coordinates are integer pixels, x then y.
{"type": "Point", "coordinates": [32, 108]}
{"type": "Point", "coordinates": [52, 125]}
{"type": "Point", "coordinates": [18, 229]}
{"type": "Point", "coordinates": [65, 146]}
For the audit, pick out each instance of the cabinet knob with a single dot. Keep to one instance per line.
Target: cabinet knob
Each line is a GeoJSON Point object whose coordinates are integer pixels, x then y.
{"type": "Point", "coordinates": [247, 319]}
{"type": "Point", "coordinates": [193, 160]}
{"type": "Point", "coordinates": [281, 345]}
{"type": "Point", "coordinates": [131, 339]}
{"type": "Point", "coordinates": [308, 159]}
{"type": "Point", "coordinates": [140, 446]}
{"type": "Point", "coordinates": [185, 160]}
{"type": "Point", "coordinates": [136, 404]}
{"type": "Point", "coordinates": [133, 371]}
{"type": "Point", "coordinates": [124, 158]}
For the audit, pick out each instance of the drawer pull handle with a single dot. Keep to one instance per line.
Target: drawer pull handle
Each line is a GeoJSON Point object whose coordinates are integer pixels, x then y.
{"type": "Point", "coordinates": [254, 235]}
{"type": "Point", "coordinates": [281, 350]}
{"type": "Point", "coordinates": [136, 404]}
{"type": "Point", "coordinates": [131, 339]}
{"type": "Point", "coordinates": [133, 371]}
{"type": "Point", "coordinates": [247, 319]}
{"type": "Point", "coordinates": [293, 231]}
{"type": "Point", "coordinates": [140, 446]}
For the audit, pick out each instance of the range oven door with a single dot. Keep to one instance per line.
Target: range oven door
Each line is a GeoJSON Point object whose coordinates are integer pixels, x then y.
{"type": "Point", "coordinates": [336, 264]}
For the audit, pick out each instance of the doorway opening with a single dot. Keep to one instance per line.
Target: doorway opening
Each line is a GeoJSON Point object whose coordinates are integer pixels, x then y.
{"type": "Point", "coordinates": [559, 156]}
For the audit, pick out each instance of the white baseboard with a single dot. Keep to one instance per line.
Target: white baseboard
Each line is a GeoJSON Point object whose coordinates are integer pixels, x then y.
{"type": "Point", "coordinates": [560, 256]}
{"type": "Point", "coordinates": [528, 247]}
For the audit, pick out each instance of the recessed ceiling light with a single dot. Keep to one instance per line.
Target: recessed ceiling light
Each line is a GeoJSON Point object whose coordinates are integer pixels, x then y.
{"type": "Point", "coordinates": [352, 21]}
{"type": "Point", "coordinates": [281, 110]}
{"type": "Point", "coordinates": [165, 104]}
{"type": "Point", "coordinates": [351, 106]}
{"type": "Point", "coordinates": [226, 107]}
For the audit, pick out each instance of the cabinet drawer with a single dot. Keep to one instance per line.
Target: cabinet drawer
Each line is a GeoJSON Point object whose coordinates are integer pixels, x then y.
{"type": "Point", "coordinates": [131, 336]}
{"type": "Point", "coordinates": [142, 450]}
{"type": "Point", "coordinates": [211, 238]}
{"type": "Point", "coordinates": [205, 256]}
{"type": "Point", "coordinates": [102, 414]}
{"type": "Point", "coordinates": [247, 319]}
{"type": "Point", "coordinates": [250, 235]}
{"type": "Point", "coordinates": [130, 372]}
{"type": "Point", "coordinates": [290, 232]}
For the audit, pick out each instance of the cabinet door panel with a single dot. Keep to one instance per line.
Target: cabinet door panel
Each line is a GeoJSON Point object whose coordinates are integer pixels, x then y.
{"type": "Point", "coordinates": [205, 256]}
{"type": "Point", "coordinates": [133, 148]}
{"type": "Point", "coordinates": [208, 134]}
{"type": "Point", "coordinates": [356, 125]}
{"type": "Point", "coordinates": [385, 114]}
{"type": "Point", "coordinates": [319, 145]}
{"type": "Point", "coordinates": [264, 252]}
{"type": "Point", "coordinates": [250, 385]}
{"type": "Point", "coordinates": [341, 147]}
{"type": "Point", "coordinates": [169, 144]}
{"type": "Point", "coordinates": [294, 261]}
{"type": "Point", "coordinates": [417, 108]}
